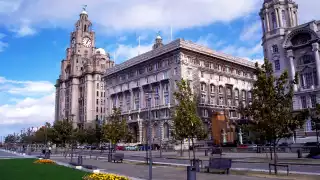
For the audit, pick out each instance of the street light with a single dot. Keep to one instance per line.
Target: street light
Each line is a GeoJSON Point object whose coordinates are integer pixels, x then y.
{"type": "Point", "coordinates": [149, 93]}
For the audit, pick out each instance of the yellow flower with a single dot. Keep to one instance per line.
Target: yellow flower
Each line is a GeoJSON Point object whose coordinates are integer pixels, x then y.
{"type": "Point", "coordinates": [101, 176]}
{"type": "Point", "coordinates": [44, 161]}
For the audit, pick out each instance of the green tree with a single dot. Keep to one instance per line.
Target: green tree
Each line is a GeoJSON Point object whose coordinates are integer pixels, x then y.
{"type": "Point", "coordinates": [187, 123]}
{"type": "Point", "coordinates": [11, 138]}
{"type": "Point", "coordinates": [314, 114]}
{"type": "Point", "coordinates": [271, 110]}
{"type": "Point", "coordinates": [43, 134]}
{"type": "Point", "coordinates": [62, 132]}
{"type": "Point", "coordinates": [116, 128]}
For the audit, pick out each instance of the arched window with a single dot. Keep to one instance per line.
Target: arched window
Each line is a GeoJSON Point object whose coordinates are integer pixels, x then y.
{"type": "Point", "coordinates": [275, 48]}
{"type": "Point", "coordinates": [166, 130]}
{"type": "Point", "coordinates": [236, 93]}
{"type": "Point", "coordinates": [306, 59]}
{"type": "Point", "coordinates": [301, 38]}
{"type": "Point", "coordinates": [220, 89]}
{"type": "Point", "coordinates": [284, 19]}
{"type": "Point", "coordinates": [273, 20]}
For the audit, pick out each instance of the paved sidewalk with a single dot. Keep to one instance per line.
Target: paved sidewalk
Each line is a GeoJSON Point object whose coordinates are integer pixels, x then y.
{"type": "Point", "coordinates": [159, 172]}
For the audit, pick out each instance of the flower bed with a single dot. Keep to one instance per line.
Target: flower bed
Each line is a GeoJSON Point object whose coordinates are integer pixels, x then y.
{"type": "Point", "coordinates": [44, 161]}
{"type": "Point", "coordinates": [100, 176]}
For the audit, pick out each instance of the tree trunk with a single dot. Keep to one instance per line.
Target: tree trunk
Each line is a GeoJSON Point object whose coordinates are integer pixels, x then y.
{"type": "Point", "coordinates": [181, 150]}
{"type": "Point", "coordinates": [275, 158]}
{"type": "Point", "coordinates": [193, 150]}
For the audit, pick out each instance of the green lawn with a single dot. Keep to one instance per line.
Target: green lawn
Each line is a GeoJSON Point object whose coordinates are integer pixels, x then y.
{"type": "Point", "coordinates": [25, 169]}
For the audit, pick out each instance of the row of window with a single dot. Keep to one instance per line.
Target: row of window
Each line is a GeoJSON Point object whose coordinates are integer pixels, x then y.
{"type": "Point", "coordinates": [221, 90]}
{"type": "Point", "coordinates": [304, 103]}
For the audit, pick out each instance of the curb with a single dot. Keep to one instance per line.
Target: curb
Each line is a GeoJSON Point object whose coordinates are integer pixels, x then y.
{"type": "Point", "coordinates": [242, 161]}
{"type": "Point", "coordinates": [70, 166]}
{"type": "Point", "coordinates": [236, 169]}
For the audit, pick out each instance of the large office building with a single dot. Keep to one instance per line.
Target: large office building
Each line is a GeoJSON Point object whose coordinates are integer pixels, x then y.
{"type": "Point", "coordinates": [294, 47]}
{"type": "Point", "coordinates": [80, 94]}
{"type": "Point", "coordinates": [221, 82]}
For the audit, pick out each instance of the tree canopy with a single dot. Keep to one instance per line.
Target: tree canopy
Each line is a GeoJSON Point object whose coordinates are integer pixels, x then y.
{"type": "Point", "coordinates": [187, 123]}
{"type": "Point", "coordinates": [116, 128]}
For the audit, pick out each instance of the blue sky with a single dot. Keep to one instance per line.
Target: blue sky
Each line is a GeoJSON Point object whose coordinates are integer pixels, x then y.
{"type": "Point", "coordinates": [35, 33]}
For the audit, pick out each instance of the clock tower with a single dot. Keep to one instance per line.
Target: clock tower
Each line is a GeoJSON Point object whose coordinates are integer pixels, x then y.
{"type": "Point", "coordinates": [80, 89]}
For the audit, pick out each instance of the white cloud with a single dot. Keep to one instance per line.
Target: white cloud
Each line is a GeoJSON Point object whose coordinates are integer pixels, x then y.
{"type": "Point", "coordinates": [25, 87]}
{"type": "Point", "coordinates": [252, 52]}
{"type": "Point", "coordinates": [125, 52]}
{"type": "Point", "coordinates": [308, 10]}
{"type": "Point", "coordinates": [251, 32]}
{"type": "Point", "coordinates": [3, 44]}
{"type": "Point", "coordinates": [206, 40]}
{"type": "Point", "coordinates": [127, 15]}
{"type": "Point", "coordinates": [29, 103]}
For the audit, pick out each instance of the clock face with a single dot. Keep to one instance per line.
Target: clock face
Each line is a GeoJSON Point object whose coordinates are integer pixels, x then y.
{"type": "Point", "coordinates": [86, 42]}
{"type": "Point", "coordinates": [73, 42]}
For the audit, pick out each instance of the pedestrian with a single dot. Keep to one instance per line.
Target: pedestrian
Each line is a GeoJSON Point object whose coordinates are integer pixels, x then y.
{"type": "Point", "coordinates": [49, 149]}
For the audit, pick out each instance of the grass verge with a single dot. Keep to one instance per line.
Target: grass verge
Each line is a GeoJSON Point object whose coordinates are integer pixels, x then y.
{"type": "Point", "coordinates": [15, 169]}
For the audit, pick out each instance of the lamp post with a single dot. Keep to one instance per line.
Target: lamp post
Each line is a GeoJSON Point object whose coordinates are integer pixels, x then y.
{"type": "Point", "coordinates": [149, 93]}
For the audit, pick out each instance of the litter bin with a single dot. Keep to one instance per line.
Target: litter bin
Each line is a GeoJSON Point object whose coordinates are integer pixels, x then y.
{"type": "Point", "coordinates": [80, 160]}
{"type": "Point", "coordinates": [206, 152]}
{"type": "Point", "coordinates": [196, 164]}
{"type": "Point", "coordinates": [191, 173]}
{"type": "Point", "coordinates": [299, 153]}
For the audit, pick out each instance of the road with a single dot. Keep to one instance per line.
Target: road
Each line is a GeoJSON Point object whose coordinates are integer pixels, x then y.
{"type": "Point", "coordinates": [140, 156]}
{"type": "Point", "coordinates": [6, 155]}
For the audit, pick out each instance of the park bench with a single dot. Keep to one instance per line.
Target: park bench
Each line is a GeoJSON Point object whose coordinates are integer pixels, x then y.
{"type": "Point", "coordinates": [279, 165]}
{"type": "Point", "coordinates": [219, 164]}
{"type": "Point", "coordinates": [118, 157]}
{"type": "Point", "coordinates": [216, 151]}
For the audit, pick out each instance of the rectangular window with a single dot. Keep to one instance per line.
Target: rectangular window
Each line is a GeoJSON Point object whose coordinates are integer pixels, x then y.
{"type": "Point", "coordinates": [97, 93]}
{"type": "Point", "coordinates": [309, 80]}
{"type": "Point", "coordinates": [313, 100]}
{"type": "Point", "coordinates": [203, 98]}
{"type": "Point", "coordinates": [303, 102]}
{"type": "Point", "coordinates": [202, 74]}
{"type": "Point", "coordinates": [166, 99]}
{"type": "Point", "coordinates": [212, 100]}
{"type": "Point", "coordinates": [277, 65]}
{"type": "Point", "coordinates": [203, 87]}
{"type": "Point", "coordinates": [97, 101]}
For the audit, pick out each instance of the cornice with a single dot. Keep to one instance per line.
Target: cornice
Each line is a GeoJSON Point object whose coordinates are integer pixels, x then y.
{"type": "Point", "coordinates": [174, 45]}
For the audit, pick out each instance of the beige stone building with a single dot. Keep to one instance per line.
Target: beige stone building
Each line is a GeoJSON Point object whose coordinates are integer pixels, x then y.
{"type": "Point", "coordinates": [80, 94]}
{"type": "Point", "coordinates": [294, 47]}
{"type": "Point", "coordinates": [221, 82]}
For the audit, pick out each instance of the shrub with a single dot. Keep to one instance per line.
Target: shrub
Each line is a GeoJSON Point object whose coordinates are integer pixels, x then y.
{"type": "Point", "coordinates": [100, 176]}
{"type": "Point", "coordinates": [44, 161]}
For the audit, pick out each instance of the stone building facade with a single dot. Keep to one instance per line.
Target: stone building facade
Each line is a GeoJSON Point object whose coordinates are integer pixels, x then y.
{"type": "Point", "coordinates": [294, 47]}
{"type": "Point", "coordinates": [221, 82]}
{"type": "Point", "coordinates": [80, 94]}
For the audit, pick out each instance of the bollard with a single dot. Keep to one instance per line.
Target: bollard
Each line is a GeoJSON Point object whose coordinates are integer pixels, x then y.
{"type": "Point", "coordinates": [206, 152]}
{"type": "Point", "coordinates": [109, 157]}
{"type": "Point", "coordinates": [80, 160]}
{"type": "Point", "coordinates": [191, 173]}
{"type": "Point", "coordinates": [299, 153]}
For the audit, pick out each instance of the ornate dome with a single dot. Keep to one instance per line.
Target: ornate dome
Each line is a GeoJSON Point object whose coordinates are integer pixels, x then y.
{"type": "Point", "coordinates": [84, 12]}
{"type": "Point", "coordinates": [100, 51]}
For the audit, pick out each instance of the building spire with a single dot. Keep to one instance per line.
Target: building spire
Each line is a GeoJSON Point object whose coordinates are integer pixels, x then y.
{"type": "Point", "coordinates": [84, 9]}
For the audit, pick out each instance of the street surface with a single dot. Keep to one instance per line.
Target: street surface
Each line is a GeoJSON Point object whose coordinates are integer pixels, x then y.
{"type": "Point", "coordinates": [6, 155]}
{"type": "Point", "coordinates": [140, 156]}
{"type": "Point", "coordinates": [158, 172]}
